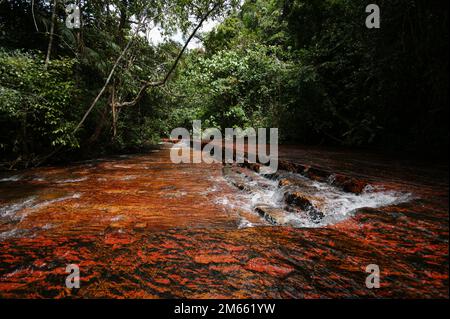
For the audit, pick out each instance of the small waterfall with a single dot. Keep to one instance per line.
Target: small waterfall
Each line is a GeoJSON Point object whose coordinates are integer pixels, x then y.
{"type": "Point", "coordinates": [320, 203]}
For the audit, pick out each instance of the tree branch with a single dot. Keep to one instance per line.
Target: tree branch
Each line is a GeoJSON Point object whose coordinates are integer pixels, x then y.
{"type": "Point", "coordinates": [143, 88]}
{"type": "Point", "coordinates": [108, 79]}
{"type": "Point", "coordinates": [174, 65]}
{"type": "Point", "coordinates": [34, 17]}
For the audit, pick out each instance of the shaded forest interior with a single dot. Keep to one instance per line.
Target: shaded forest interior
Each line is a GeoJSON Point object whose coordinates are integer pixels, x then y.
{"type": "Point", "coordinates": [309, 67]}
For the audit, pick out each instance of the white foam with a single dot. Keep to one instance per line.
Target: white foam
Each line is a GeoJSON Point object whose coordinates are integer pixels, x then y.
{"type": "Point", "coordinates": [244, 223]}
{"type": "Point", "coordinates": [56, 200]}
{"type": "Point", "coordinates": [116, 218]}
{"type": "Point", "coordinates": [19, 232]}
{"type": "Point", "coordinates": [13, 233]}
{"type": "Point", "coordinates": [128, 178]}
{"type": "Point", "coordinates": [10, 210]}
{"type": "Point", "coordinates": [73, 180]}
{"type": "Point", "coordinates": [335, 204]}
{"type": "Point", "coordinates": [14, 178]}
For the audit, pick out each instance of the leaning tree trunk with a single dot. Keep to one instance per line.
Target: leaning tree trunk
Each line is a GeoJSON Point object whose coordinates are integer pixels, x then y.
{"type": "Point", "coordinates": [52, 31]}
{"type": "Point", "coordinates": [114, 110]}
{"type": "Point", "coordinates": [34, 17]}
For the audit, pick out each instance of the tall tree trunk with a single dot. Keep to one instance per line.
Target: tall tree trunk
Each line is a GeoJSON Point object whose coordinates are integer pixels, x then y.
{"type": "Point", "coordinates": [25, 151]}
{"type": "Point", "coordinates": [100, 125]}
{"type": "Point", "coordinates": [34, 17]}
{"type": "Point", "coordinates": [52, 31]}
{"type": "Point", "coordinates": [123, 20]}
{"type": "Point", "coordinates": [114, 110]}
{"type": "Point", "coordinates": [79, 33]}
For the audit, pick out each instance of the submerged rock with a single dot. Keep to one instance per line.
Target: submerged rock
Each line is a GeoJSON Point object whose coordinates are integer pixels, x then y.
{"type": "Point", "coordinates": [301, 201]}
{"type": "Point", "coordinates": [273, 215]}
{"type": "Point", "coordinates": [348, 184]}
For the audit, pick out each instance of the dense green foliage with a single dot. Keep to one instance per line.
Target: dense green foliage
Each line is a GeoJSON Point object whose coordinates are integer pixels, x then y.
{"type": "Point", "coordinates": [233, 88]}
{"type": "Point", "coordinates": [41, 104]}
{"type": "Point", "coordinates": [309, 67]}
{"type": "Point", "coordinates": [323, 76]}
{"type": "Point", "coordinates": [35, 104]}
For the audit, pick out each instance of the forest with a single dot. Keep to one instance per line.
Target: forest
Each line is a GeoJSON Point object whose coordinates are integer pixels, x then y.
{"type": "Point", "coordinates": [341, 192]}
{"type": "Point", "coordinates": [308, 67]}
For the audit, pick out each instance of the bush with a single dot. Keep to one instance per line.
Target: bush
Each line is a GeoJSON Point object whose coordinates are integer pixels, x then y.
{"type": "Point", "coordinates": [36, 111]}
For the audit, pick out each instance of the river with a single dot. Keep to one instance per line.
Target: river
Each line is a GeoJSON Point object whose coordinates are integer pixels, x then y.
{"type": "Point", "coordinates": [139, 226]}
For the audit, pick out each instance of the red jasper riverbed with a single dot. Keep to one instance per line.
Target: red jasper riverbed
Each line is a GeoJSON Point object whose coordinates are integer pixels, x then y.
{"type": "Point", "coordinates": [142, 227]}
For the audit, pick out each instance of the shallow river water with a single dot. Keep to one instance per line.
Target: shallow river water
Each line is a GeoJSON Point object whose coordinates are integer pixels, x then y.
{"type": "Point", "coordinates": [140, 226]}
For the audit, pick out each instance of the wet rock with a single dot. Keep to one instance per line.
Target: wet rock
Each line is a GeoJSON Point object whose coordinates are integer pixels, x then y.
{"type": "Point", "coordinates": [140, 226]}
{"type": "Point", "coordinates": [250, 217]}
{"type": "Point", "coordinates": [243, 180]}
{"type": "Point", "coordinates": [253, 166]}
{"type": "Point", "coordinates": [347, 184]}
{"type": "Point", "coordinates": [293, 184]}
{"type": "Point", "coordinates": [234, 178]}
{"type": "Point", "coordinates": [317, 174]}
{"type": "Point", "coordinates": [350, 185]}
{"type": "Point", "coordinates": [251, 176]}
{"type": "Point", "coordinates": [116, 225]}
{"type": "Point", "coordinates": [299, 200]}
{"type": "Point", "coordinates": [284, 182]}
{"type": "Point", "coordinates": [315, 215]}
{"type": "Point", "coordinates": [292, 167]}
{"type": "Point", "coordinates": [273, 215]}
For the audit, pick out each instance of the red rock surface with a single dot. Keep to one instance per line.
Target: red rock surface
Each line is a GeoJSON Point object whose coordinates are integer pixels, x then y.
{"type": "Point", "coordinates": [142, 227]}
